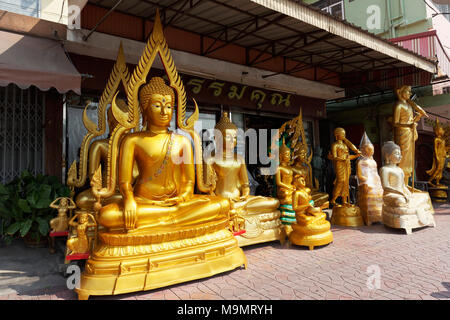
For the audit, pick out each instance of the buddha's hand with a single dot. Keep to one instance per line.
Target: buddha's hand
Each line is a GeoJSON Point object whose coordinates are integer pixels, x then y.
{"type": "Point", "coordinates": [130, 214]}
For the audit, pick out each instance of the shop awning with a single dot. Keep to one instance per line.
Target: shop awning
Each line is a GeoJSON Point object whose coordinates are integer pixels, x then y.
{"type": "Point", "coordinates": [28, 60]}
{"type": "Point", "coordinates": [308, 40]}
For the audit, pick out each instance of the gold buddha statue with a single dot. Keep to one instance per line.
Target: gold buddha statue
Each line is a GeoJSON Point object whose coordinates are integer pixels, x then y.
{"type": "Point", "coordinates": [405, 128]}
{"type": "Point", "coordinates": [370, 190]}
{"type": "Point", "coordinates": [345, 214]}
{"type": "Point", "coordinates": [284, 178]}
{"type": "Point", "coordinates": [312, 229]}
{"type": "Point", "coordinates": [160, 233]}
{"type": "Point", "coordinates": [403, 206]}
{"type": "Point", "coordinates": [438, 191]}
{"type": "Point", "coordinates": [302, 167]}
{"type": "Point", "coordinates": [260, 214]}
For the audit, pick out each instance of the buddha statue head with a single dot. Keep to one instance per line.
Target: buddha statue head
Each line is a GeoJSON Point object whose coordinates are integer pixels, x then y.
{"type": "Point", "coordinates": [366, 146]}
{"type": "Point", "coordinates": [299, 181]}
{"type": "Point", "coordinates": [339, 133]}
{"type": "Point", "coordinates": [157, 102]}
{"type": "Point", "coordinates": [404, 93]}
{"type": "Point", "coordinates": [391, 153]}
{"type": "Point", "coordinates": [228, 134]}
{"type": "Point", "coordinates": [301, 154]}
{"type": "Point", "coordinates": [285, 154]}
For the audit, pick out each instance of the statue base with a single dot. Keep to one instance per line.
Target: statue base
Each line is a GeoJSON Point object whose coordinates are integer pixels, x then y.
{"type": "Point", "coordinates": [130, 262]}
{"type": "Point", "coordinates": [418, 214]}
{"type": "Point", "coordinates": [438, 194]}
{"type": "Point", "coordinates": [261, 228]}
{"type": "Point", "coordinates": [347, 216]}
{"type": "Point", "coordinates": [311, 235]}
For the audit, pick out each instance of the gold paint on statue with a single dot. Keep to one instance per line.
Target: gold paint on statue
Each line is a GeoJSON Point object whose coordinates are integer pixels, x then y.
{"type": "Point", "coordinates": [344, 214]}
{"type": "Point", "coordinates": [401, 207]}
{"type": "Point", "coordinates": [161, 233]}
{"type": "Point", "coordinates": [370, 190]}
{"type": "Point", "coordinates": [438, 191]}
{"type": "Point", "coordinates": [284, 176]}
{"type": "Point", "coordinates": [405, 128]}
{"type": "Point", "coordinates": [312, 229]}
{"type": "Point", "coordinates": [260, 215]}
{"type": "Point", "coordinates": [61, 223]}
{"type": "Point", "coordinates": [80, 242]}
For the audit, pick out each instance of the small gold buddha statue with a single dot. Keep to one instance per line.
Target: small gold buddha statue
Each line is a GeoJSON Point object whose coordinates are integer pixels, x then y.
{"type": "Point", "coordinates": [284, 178]}
{"type": "Point", "coordinates": [61, 222]}
{"type": "Point", "coordinates": [301, 167]}
{"type": "Point", "coordinates": [404, 122]}
{"type": "Point", "coordinates": [370, 190]}
{"type": "Point", "coordinates": [345, 214]}
{"type": "Point", "coordinates": [438, 191]}
{"type": "Point", "coordinates": [80, 243]}
{"type": "Point", "coordinates": [312, 229]}
{"type": "Point", "coordinates": [403, 207]}
{"type": "Point", "coordinates": [260, 214]}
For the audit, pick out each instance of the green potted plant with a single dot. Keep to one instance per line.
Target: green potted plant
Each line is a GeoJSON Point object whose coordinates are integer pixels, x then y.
{"type": "Point", "coordinates": [24, 207]}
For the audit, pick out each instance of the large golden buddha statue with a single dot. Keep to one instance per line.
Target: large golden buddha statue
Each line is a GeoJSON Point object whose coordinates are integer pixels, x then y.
{"type": "Point", "coordinates": [161, 233]}
{"type": "Point", "coordinates": [260, 214]}
{"type": "Point", "coordinates": [438, 191]}
{"type": "Point", "coordinates": [345, 214]}
{"type": "Point", "coordinates": [403, 206]}
{"type": "Point", "coordinates": [302, 167]}
{"type": "Point", "coordinates": [312, 229]}
{"type": "Point", "coordinates": [404, 122]}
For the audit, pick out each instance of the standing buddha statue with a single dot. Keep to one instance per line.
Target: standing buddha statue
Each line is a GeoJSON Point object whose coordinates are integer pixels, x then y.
{"type": "Point", "coordinates": [311, 228]}
{"type": "Point", "coordinates": [260, 214]}
{"type": "Point", "coordinates": [370, 190]}
{"type": "Point", "coordinates": [403, 206]}
{"type": "Point", "coordinates": [438, 191]}
{"type": "Point", "coordinates": [344, 214]}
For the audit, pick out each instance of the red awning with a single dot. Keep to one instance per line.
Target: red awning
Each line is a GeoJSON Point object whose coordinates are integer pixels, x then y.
{"type": "Point", "coordinates": [27, 60]}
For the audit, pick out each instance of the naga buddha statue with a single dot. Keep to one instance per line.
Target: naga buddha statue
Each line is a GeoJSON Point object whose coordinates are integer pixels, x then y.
{"type": "Point", "coordinates": [370, 190]}
{"type": "Point", "coordinates": [312, 229]}
{"type": "Point", "coordinates": [260, 214]}
{"type": "Point", "coordinates": [284, 178]}
{"type": "Point", "coordinates": [302, 167]}
{"type": "Point", "coordinates": [345, 214]}
{"type": "Point", "coordinates": [403, 206]}
{"type": "Point", "coordinates": [438, 191]}
{"type": "Point", "coordinates": [404, 122]}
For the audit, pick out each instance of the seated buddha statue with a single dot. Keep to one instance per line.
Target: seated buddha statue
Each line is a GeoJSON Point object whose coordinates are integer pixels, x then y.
{"type": "Point", "coordinates": [260, 214]}
{"type": "Point", "coordinates": [302, 168]}
{"type": "Point", "coordinates": [370, 190]}
{"type": "Point", "coordinates": [403, 207]}
{"type": "Point", "coordinates": [312, 229]}
{"type": "Point", "coordinates": [163, 195]}
{"type": "Point", "coordinates": [284, 181]}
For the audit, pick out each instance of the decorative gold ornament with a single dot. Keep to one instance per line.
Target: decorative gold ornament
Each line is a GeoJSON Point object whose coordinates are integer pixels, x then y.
{"type": "Point", "coordinates": [370, 190]}
{"type": "Point", "coordinates": [345, 214]}
{"type": "Point", "coordinates": [161, 233]}
{"type": "Point", "coordinates": [403, 207]}
{"type": "Point", "coordinates": [259, 216]}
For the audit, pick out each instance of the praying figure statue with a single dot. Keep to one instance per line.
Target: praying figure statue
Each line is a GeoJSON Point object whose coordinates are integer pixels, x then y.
{"type": "Point", "coordinates": [370, 190]}
{"type": "Point", "coordinates": [403, 206]}
{"type": "Point", "coordinates": [345, 214]}
{"type": "Point", "coordinates": [260, 214]}
{"type": "Point", "coordinates": [61, 223]}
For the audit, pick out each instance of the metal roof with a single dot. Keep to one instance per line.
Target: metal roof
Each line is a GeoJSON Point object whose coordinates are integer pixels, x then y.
{"type": "Point", "coordinates": [280, 28]}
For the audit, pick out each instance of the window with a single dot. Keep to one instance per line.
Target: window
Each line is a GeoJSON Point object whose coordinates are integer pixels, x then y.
{"type": "Point", "coordinates": [445, 9]}
{"type": "Point", "coordinates": [336, 9]}
{"type": "Point", "coordinates": [21, 131]}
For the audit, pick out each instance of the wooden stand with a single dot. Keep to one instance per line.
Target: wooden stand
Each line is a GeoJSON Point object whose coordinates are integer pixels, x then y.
{"type": "Point", "coordinates": [52, 236]}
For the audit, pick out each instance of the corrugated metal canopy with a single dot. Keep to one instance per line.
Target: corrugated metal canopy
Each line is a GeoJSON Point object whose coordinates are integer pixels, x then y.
{"type": "Point", "coordinates": [283, 28]}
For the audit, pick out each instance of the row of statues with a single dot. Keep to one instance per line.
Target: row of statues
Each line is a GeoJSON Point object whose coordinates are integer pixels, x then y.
{"type": "Point", "coordinates": [158, 214]}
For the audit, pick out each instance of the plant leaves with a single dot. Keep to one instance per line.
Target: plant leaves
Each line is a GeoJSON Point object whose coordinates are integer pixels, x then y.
{"type": "Point", "coordinates": [43, 226]}
{"type": "Point", "coordinates": [12, 229]}
{"type": "Point", "coordinates": [23, 205]}
{"type": "Point", "coordinates": [25, 227]}
{"type": "Point", "coordinates": [33, 198]}
{"type": "Point", "coordinates": [44, 197]}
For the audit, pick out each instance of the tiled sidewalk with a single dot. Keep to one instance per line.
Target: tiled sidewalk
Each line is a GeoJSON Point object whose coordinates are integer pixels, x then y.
{"type": "Point", "coordinates": [411, 267]}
